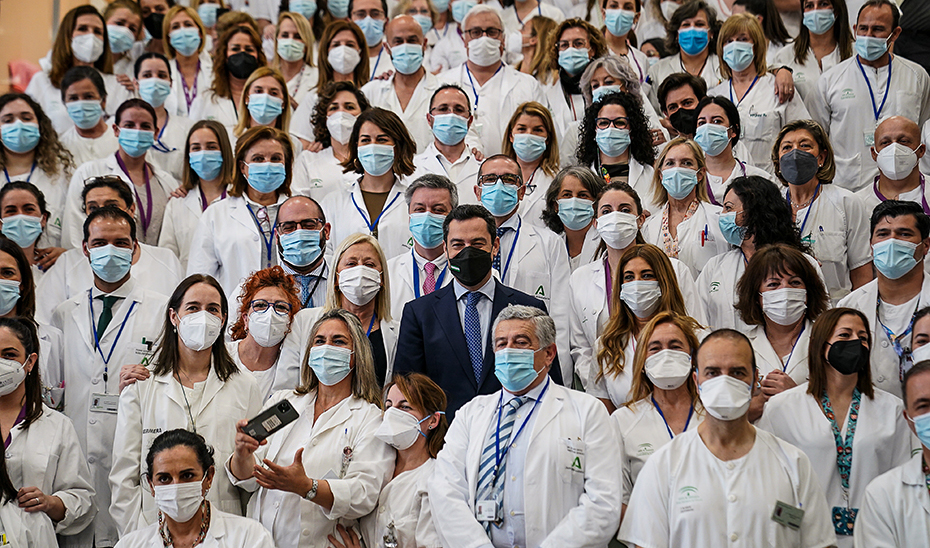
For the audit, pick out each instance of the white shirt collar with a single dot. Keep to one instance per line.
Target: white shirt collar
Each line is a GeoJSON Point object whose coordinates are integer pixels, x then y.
{"type": "Point", "coordinates": [122, 291]}
{"type": "Point", "coordinates": [440, 261]}
{"type": "Point", "coordinates": [487, 289]}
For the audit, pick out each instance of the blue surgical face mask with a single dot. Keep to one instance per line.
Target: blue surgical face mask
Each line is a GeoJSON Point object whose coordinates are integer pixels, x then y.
{"type": "Point", "coordinates": [266, 177]}
{"type": "Point", "coordinates": [679, 181]}
{"type": "Point", "coordinates": [693, 40]}
{"type": "Point", "coordinates": [500, 198]}
{"type": "Point", "coordinates": [612, 141]}
{"type": "Point", "coordinates": [460, 9]}
{"type": "Point", "coordinates": [732, 232]}
{"type": "Point", "coordinates": [22, 229]}
{"type": "Point", "coordinates": [870, 48]}
{"type": "Point", "coordinates": [186, 40]}
{"type": "Point", "coordinates": [712, 138]}
{"type": "Point", "coordinates": [265, 108]}
{"type": "Point", "coordinates": [600, 92]}
{"type": "Point", "coordinates": [426, 228]}
{"type": "Point", "coordinates": [819, 21]}
{"type": "Point", "coordinates": [330, 364]}
{"type": "Point", "coordinates": [576, 213]}
{"type": "Point", "coordinates": [110, 263]}
{"type": "Point", "coordinates": [307, 8]}
{"type": "Point", "coordinates": [450, 129]}
{"type": "Point", "coordinates": [338, 8]}
{"type": "Point", "coordinates": [301, 247]}
{"type": "Point", "coordinates": [207, 13]}
{"type": "Point", "coordinates": [619, 22]}
{"type": "Point", "coordinates": [207, 164]}
{"type": "Point", "coordinates": [85, 114]}
{"type": "Point", "coordinates": [407, 58]}
{"type": "Point", "coordinates": [154, 91]}
{"type": "Point", "coordinates": [513, 367]}
{"type": "Point", "coordinates": [121, 38]}
{"type": "Point", "coordinates": [738, 55]}
{"type": "Point", "coordinates": [135, 142]}
{"type": "Point", "coordinates": [921, 426]}
{"type": "Point", "coordinates": [291, 50]}
{"type": "Point", "coordinates": [20, 137]}
{"type": "Point", "coordinates": [9, 296]}
{"type": "Point", "coordinates": [376, 159]}
{"type": "Point", "coordinates": [373, 29]}
{"type": "Point", "coordinates": [529, 147]}
{"type": "Point", "coordinates": [574, 60]}
{"type": "Point", "coordinates": [894, 258]}
{"type": "Point", "coordinates": [425, 21]}
{"type": "Point", "coordinates": [442, 6]}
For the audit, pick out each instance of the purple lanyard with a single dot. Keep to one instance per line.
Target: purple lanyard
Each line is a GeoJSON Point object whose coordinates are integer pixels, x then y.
{"type": "Point", "coordinates": [203, 200]}
{"type": "Point", "coordinates": [146, 218]}
{"type": "Point", "coordinates": [19, 418]}
{"type": "Point", "coordinates": [639, 68]}
{"type": "Point", "coordinates": [190, 92]}
{"type": "Point", "coordinates": [710, 191]}
{"type": "Point", "coordinates": [923, 196]}
{"type": "Point", "coordinates": [610, 283]}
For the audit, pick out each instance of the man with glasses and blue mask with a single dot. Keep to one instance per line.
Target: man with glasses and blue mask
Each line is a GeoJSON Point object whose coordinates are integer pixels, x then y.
{"type": "Point", "coordinates": [900, 240]}
{"type": "Point", "coordinates": [856, 94]}
{"type": "Point", "coordinates": [371, 16]}
{"type": "Point", "coordinates": [533, 463]}
{"type": "Point", "coordinates": [496, 89]}
{"type": "Point", "coordinates": [406, 92]}
{"type": "Point", "coordinates": [530, 259]}
{"type": "Point", "coordinates": [302, 234]}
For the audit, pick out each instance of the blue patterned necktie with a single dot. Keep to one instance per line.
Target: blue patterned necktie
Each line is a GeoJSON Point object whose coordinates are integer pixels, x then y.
{"type": "Point", "coordinates": [488, 486]}
{"type": "Point", "coordinates": [473, 333]}
{"type": "Point", "coordinates": [496, 262]}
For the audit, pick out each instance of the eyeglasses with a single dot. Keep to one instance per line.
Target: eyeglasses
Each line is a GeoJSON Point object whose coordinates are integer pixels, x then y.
{"type": "Point", "coordinates": [458, 110]}
{"type": "Point", "coordinates": [508, 178]}
{"type": "Point", "coordinates": [281, 308]}
{"type": "Point", "coordinates": [361, 14]}
{"type": "Point", "coordinates": [578, 43]}
{"type": "Point", "coordinates": [307, 224]}
{"type": "Point", "coordinates": [491, 32]}
{"type": "Point", "coordinates": [604, 123]}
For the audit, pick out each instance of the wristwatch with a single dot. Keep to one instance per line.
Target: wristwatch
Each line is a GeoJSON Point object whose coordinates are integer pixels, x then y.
{"type": "Point", "coordinates": [311, 494]}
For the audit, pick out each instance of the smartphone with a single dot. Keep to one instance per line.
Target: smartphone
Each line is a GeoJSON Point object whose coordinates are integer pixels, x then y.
{"type": "Point", "coordinates": [271, 420]}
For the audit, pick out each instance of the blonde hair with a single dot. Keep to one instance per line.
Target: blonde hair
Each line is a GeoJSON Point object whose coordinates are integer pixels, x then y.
{"type": "Point", "coordinates": [660, 195]}
{"type": "Point", "coordinates": [382, 299]}
{"type": "Point", "coordinates": [196, 3]}
{"type": "Point", "coordinates": [404, 5]}
{"type": "Point", "coordinates": [245, 119]}
{"type": "Point", "coordinates": [541, 64]}
{"type": "Point", "coordinates": [735, 24]}
{"type": "Point", "coordinates": [550, 158]}
{"type": "Point", "coordinates": [170, 52]}
{"type": "Point", "coordinates": [306, 35]}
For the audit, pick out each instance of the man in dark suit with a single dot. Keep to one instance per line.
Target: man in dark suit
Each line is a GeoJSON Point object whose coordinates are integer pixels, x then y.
{"type": "Point", "coordinates": [446, 335]}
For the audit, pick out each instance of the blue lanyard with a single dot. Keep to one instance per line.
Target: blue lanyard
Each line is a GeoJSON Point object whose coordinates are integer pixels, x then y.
{"type": "Point", "coordinates": [844, 448]}
{"type": "Point", "coordinates": [923, 193]}
{"type": "Point", "coordinates": [373, 226]}
{"type": "Point", "coordinates": [472, 82]}
{"type": "Point", "coordinates": [784, 367]}
{"type": "Point", "coordinates": [538, 9]}
{"type": "Point", "coordinates": [877, 111]}
{"type": "Point", "coordinates": [377, 61]}
{"type": "Point", "coordinates": [93, 322]}
{"type": "Point", "coordinates": [903, 355]}
{"type": "Point", "coordinates": [667, 427]}
{"type": "Point", "coordinates": [371, 325]}
{"type": "Point", "coordinates": [752, 85]}
{"type": "Point", "coordinates": [498, 454]}
{"type": "Point", "coordinates": [31, 171]}
{"type": "Point", "coordinates": [416, 276]}
{"type": "Point", "coordinates": [269, 241]}
{"type": "Point", "coordinates": [810, 206]}
{"type": "Point", "coordinates": [512, 247]}
{"type": "Point", "coordinates": [160, 146]}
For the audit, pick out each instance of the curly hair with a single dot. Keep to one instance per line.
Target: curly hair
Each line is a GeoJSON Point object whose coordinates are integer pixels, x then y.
{"type": "Point", "coordinates": [766, 213]}
{"type": "Point", "coordinates": [51, 156]}
{"type": "Point", "coordinates": [641, 148]}
{"type": "Point", "coordinates": [321, 110]}
{"type": "Point", "coordinates": [269, 277]}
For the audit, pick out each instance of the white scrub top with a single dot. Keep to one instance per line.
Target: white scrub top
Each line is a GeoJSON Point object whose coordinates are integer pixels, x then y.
{"type": "Point", "coordinates": [591, 242]}
{"type": "Point", "coordinates": [670, 65]}
{"type": "Point", "coordinates": [168, 151]}
{"type": "Point", "coordinates": [207, 106]}
{"type": "Point", "coordinates": [699, 236]}
{"type": "Point", "coordinates": [403, 511]}
{"type": "Point", "coordinates": [226, 531]}
{"type": "Point", "coordinates": [795, 364]}
{"type": "Point", "coordinates": [301, 118]}
{"type": "Point", "coordinates": [717, 186]}
{"type": "Point", "coordinates": [317, 174]}
{"type": "Point", "coordinates": [615, 388]}
{"type": "Point", "coordinates": [87, 150]}
{"type": "Point", "coordinates": [895, 510]}
{"type": "Point", "coordinates": [381, 93]}
{"type": "Point", "coordinates": [807, 74]}
{"type": "Point", "coordinates": [463, 172]}
{"type": "Point", "coordinates": [54, 189]}
{"type": "Point", "coordinates": [869, 196]}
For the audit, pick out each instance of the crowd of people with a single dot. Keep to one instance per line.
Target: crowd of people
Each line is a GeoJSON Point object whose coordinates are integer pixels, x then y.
{"type": "Point", "coordinates": [692, 234]}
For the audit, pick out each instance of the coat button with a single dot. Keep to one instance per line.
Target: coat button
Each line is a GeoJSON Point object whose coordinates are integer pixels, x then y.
{"type": "Point", "coordinates": [733, 537]}
{"type": "Point", "coordinates": [91, 460]}
{"type": "Point", "coordinates": [94, 381]}
{"type": "Point", "coordinates": [92, 421]}
{"type": "Point", "coordinates": [732, 498]}
{"type": "Point", "coordinates": [881, 378]}
{"type": "Point", "coordinates": [314, 442]}
{"type": "Point", "coordinates": [884, 344]}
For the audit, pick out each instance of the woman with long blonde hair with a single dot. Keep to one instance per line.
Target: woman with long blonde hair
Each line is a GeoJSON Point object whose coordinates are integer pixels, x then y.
{"type": "Point", "coordinates": [295, 48]}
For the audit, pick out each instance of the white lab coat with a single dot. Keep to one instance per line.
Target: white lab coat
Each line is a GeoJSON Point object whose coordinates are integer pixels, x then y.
{"type": "Point", "coordinates": [381, 93]}
{"type": "Point", "coordinates": [300, 85]}
{"type": "Point", "coordinates": [47, 455]}
{"type": "Point", "coordinates": [448, 50]}
{"type": "Point", "coordinates": [347, 214]}
{"type": "Point", "coordinates": [565, 109]}
{"type": "Point", "coordinates": [867, 195]}
{"type": "Point", "coordinates": [670, 65]}
{"type": "Point", "coordinates": [48, 96]}
{"type": "Point", "coordinates": [201, 84]}
{"type": "Point", "coordinates": [268, 381]}
{"type": "Point", "coordinates": [171, 141]}
{"type": "Point", "coordinates": [54, 189]}
{"type": "Point", "coordinates": [699, 236]}
{"type": "Point", "coordinates": [157, 270]}
{"type": "Point", "coordinates": [464, 172]}
{"type": "Point", "coordinates": [301, 124]}
{"type": "Point", "coordinates": [317, 174]}
{"type": "Point", "coordinates": [496, 101]}
{"type": "Point", "coordinates": [562, 508]}
{"type": "Point", "coordinates": [26, 529]}
{"type": "Point", "coordinates": [512, 22]}
{"type": "Point", "coordinates": [141, 316]}
{"type": "Point", "coordinates": [208, 106]}
{"type": "Point", "coordinates": [882, 440]}
{"type": "Point", "coordinates": [86, 150]}
{"type": "Point", "coordinates": [350, 424]}
{"type": "Point", "coordinates": [895, 511]}
{"type": "Point", "coordinates": [767, 360]}
{"type": "Point", "coordinates": [884, 360]}
{"type": "Point", "coordinates": [591, 242]}
{"type": "Point", "coordinates": [228, 244]}
{"type": "Point", "coordinates": [844, 108]}
{"type": "Point", "coordinates": [182, 216]}
{"type": "Point", "coordinates": [807, 74]}
{"type": "Point", "coordinates": [226, 531]}
{"type": "Point", "coordinates": [533, 202]}
{"type": "Point", "coordinates": [72, 230]}
{"type": "Point", "coordinates": [717, 186]}
{"type": "Point", "coordinates": [404, 507]}
{"type": "Point", "coordinates": [403, 290]}
{"type": "Point", "coordinates": [380, 64]}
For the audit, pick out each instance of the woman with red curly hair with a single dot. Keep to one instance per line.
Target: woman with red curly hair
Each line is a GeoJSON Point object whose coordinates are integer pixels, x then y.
{"type": "Point", "coordinates": [269, 300]}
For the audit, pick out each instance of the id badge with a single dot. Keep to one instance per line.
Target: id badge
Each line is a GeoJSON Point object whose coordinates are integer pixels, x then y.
{"type": "Point", "coordinates": [844, 520]}
{"type": "Point", "coordinates": [486, 510]}
{"type": "Point", "coordinates": [868, 137]}
{"type": "Point", "coordinates": [104, 403]}
{"type": "Point", "coordinates": [787, 515]}
{"type": "Point", "coordinates": [142, 352]}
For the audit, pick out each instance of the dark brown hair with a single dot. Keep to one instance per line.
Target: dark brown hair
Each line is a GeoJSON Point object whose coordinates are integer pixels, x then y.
{"type": "Point", "coordinates": [404, 145]}
{"type": "Point", "coordinates": [816, 363]}
{"type": "Point", "coordinates": [63, 56]}
{"type": "Point", "coordinates": [250, 138]}
{"type": "Point", "coordinates": [221, 86]}
{"type": "Point", "coordinates": [427, 397]}
{"type": "Point", "coordinates": [778, 259]}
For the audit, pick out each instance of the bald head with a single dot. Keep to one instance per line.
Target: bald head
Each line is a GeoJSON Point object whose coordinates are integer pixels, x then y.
{"type": "Point", "coordinates": [901, 130]}
{"type": "Point", "coordinates": [404, 29]}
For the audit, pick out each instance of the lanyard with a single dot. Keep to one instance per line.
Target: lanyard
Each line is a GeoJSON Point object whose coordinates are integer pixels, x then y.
{"type": "Point", "coordinates": [371, 325]}
{"type": "Point", "coordinates": [498, 454]}
{"type": "Point", "coordinates": [538, 9]}
{"type": "Point", "coordinates": [810, 206]}
{"type": "Point", "coordinates": [903, 355]}
{"type": "Point", "coordinates": [880, 196]}
{"type": "Point", "coordinates": [844, 448]}
{"type": "Point", "coordinates": [146, 218]}
{"type": "Point", "coordinates": [190, 92]}
{"type": "Point", "coordinates": [667, 427]}
{"type": "Point", "coordinates": [159, 145]}
{"type": "Point", "coordinates": [642, 78]}
{"type": "Point", "coordinates": [93, 323]}
{"type": "Point", "coordinates": [203, 199]}
{"type": "Point", "coordinates": [710, 191]}
{"type": "Point", "coordinates": [377, 62]}
{"type": "Point", "coordinates": [373, 226]}
{"type": "Point", "coordinates": [784, 366]}
{"type": "Point", "coordinates": [472, 82]}
{"type": "Point", "coordinates": [752, 85]}
{"type": "Point", "coordinates": [609, 283]}
{"type": "Point", "coordinates": [416, 276]}
{"type": "Point", "coordinates": [187, 403]}
{"type": "Point", "coordinates": [309, 299]}
{"type": "Point", "coordinates": [269, 241]}
{"type": "Point", "coordinates": [31, 171]}
{"type": "Point", "coordinates": [512, 247]}
{"type": "Point", "coordinates": [876, 110]}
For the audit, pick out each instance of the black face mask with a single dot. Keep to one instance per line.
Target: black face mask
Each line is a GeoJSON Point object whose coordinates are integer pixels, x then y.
{"type": "Point", "coordinates": [848, 357]}
{"type": "Point", "coordinates": [241, 65]}
{"type": "Point", "coordinates": [684, 120]}
{"type": "Point", "coordinates": [153, 23]}
{"type": "Point", "coordinates": [470, 266]}
{"type": "Point", "coordinates": [798, 167]}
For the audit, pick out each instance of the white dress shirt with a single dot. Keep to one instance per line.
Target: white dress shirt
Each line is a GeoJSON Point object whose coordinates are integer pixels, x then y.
{"type": "Point", "coordinates": [381, 93]}
{"type": "Point", "coordinates": [463, 172]}
{"type": "Point", "coordinates": [484, 306]}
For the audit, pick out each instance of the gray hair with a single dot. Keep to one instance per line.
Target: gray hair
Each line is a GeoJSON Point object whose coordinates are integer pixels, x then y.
{"type": "Point", "coordinates": [615, 66]}
{"type": "Point", "coordinates": [478, 10]}
{"type": "Point", "coordinates": [431, 180]}
{"type": "Point", "coordinates": [543, 324]}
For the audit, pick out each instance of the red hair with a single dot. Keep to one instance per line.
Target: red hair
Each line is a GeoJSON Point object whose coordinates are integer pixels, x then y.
{"type": "Point", "coordinates": [269, 277]}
